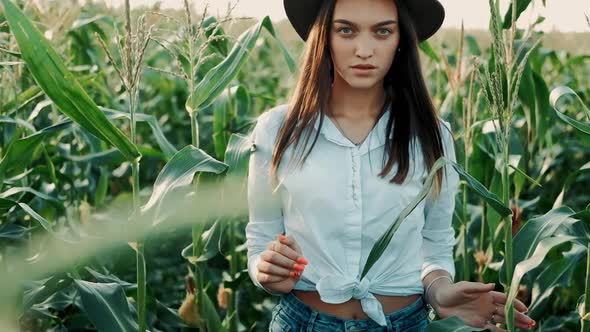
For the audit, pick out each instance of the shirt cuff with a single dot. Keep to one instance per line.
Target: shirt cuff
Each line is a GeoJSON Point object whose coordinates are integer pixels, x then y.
{"type": "Point", "coordinates": [432, 265]}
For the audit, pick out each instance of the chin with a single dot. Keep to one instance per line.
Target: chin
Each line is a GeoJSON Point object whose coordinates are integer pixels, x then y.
{"type": "Point", "coordinates": [361, 83]}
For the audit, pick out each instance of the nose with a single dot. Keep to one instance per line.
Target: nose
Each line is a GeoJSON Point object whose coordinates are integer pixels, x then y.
{"type": "Point", "coordinates": [364, 48]}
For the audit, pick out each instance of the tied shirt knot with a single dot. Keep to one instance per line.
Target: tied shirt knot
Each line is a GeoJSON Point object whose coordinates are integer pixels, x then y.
{"type": "Point", "coordinates": [361, 289]}
{"type": "Point", "coordinates": [339, 289]}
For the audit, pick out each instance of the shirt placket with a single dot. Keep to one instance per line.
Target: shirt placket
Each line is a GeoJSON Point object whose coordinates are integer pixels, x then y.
{"type": "Point", "coordinates": [355, 222]}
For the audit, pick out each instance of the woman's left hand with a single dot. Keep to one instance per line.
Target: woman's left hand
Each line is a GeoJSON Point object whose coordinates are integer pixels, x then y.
{"type": "Point", "coordinates": [477, 304]}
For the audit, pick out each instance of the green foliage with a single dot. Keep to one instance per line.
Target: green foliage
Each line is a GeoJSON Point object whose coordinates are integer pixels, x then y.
{"type": "Point", "coordinates": [518, 109]}
{"type": "Point", "coordinates": [60, 85]}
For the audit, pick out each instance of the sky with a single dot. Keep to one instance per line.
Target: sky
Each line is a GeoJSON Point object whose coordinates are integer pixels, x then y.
{"type": "Point", "coordinates": [563, 15]}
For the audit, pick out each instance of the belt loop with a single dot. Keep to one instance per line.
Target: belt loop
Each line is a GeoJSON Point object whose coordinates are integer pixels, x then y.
{"type": "Point", "coordinates": [312, 318]}
{"type": "Point", "coordinates": [389, 325]}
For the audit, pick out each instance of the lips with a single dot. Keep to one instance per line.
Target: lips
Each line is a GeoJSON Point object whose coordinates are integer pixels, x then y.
{"type": "Point", "coordinates": [364, 67]}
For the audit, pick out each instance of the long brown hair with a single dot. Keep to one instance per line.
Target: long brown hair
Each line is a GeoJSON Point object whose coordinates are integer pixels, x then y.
{"type": "Point", "coordinates": [405, 90]}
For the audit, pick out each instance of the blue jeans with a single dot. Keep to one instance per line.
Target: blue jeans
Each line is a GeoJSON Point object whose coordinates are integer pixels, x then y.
{"type": "Point", "coordinates": [292, 314]}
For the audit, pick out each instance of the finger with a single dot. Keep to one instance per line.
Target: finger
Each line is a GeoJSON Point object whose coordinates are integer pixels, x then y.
{"type": "Point", "coordinates": [478, 287]}
{"type": "Point", "coordinates": [521, 324]}
{"type": "Point", "coordinates": [265, 278]}
{"type": "Point", "coordinates": [501, 298]}
{"type": "Point", "coordinates": [518, 305]}
{"type": "Point", "coordinates": [283, 249]}
{"type": "Point", "coordinates": [277, 258]}
{"type": "Point", "coordinates": [290, 241]}
{"type": "Point", "coordinates": [520, 319]}
{"type": "Point", "coordinates": [273, 269]}
{"type": "Point", "coordinates": [280, 254]}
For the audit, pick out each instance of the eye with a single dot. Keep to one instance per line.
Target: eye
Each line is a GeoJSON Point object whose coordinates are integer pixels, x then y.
{"type": "Point", "coordinates": [384, 32]}
{"type": "Point", "coordinates": [344, 29]}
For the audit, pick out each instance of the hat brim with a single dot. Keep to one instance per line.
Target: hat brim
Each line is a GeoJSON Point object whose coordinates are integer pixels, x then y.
{"type": "Point", "coordinates": [428, 15]}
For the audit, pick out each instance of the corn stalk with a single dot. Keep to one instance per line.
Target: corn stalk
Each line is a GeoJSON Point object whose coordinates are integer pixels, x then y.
{"type": "Point", "coordinates": [190, 53]}
{"type": "Point", "coordinates": [132, 47]}
{"type": "Point", "coordinates": [500, 89]}
{"type": "Point", "coordinates": [586, 318]}
{"type": "Point", "coordinates": [200, 43]}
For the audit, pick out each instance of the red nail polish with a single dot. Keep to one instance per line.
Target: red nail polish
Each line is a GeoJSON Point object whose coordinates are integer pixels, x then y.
{"type": "Point", "coordinates": [298, 267]}
{"type": "Point", "coordinates": [302, 260]}
{"type": "Point", "coordinates": [292, 274]}
{"type": "Point", "coordinates": [282, 237]}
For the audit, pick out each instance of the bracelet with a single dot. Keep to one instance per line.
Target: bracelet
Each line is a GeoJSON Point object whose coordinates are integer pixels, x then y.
{"type": "Point", "coordinates": [433, 280]}
{"type": "Point", "coordinates": [432, 315]}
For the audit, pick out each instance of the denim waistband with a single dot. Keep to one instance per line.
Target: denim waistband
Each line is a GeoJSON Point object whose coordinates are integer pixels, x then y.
{"type": "Point", "coordinates": [300, 311]}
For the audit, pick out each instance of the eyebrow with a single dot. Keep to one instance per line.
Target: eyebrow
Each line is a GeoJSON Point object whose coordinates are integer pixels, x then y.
{"type": "Point", "coordinates": [374, 26]}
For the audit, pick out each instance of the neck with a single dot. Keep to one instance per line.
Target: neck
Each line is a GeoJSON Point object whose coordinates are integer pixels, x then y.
{"type": "Point", "coordinates": [355, 103]}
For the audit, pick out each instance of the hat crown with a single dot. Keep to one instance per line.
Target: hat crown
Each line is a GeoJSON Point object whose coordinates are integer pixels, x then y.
{"type": "Point", "coordinates": [427, 15]}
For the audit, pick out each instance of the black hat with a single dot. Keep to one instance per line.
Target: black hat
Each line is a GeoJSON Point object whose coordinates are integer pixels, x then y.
{"type": "Point", "coordinates": [428, 15]}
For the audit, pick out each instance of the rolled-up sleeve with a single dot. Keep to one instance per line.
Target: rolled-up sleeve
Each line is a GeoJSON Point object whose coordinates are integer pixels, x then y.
{"type": "Point", "coordinates": [438, 233]}
{"type": "Point", "coordinates": [265, 219]}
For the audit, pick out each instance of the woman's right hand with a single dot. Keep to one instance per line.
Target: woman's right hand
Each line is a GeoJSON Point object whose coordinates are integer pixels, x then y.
{"type": "Point", "coordinates": [280, 265]}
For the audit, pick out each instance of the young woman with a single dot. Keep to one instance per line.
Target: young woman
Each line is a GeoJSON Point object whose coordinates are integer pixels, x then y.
{"type": "Point", "coordinates": [362, 98]}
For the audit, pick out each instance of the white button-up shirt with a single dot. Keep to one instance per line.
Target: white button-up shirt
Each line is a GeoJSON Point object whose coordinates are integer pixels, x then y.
{"type": "Point", "coordinates": [336, 207]}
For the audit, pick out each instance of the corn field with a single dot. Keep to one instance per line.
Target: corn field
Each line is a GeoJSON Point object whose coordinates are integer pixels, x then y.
{"type": "Point", "coordinates": [124, 145]}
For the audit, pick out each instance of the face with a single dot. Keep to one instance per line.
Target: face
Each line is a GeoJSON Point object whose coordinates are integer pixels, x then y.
{"type": "Point", "coordinates": [363, 33]}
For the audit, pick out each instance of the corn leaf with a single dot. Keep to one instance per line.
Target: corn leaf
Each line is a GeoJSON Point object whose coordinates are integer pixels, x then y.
{"type": "Point", "coordinates": [211, 247]}
{"type": "Point", "coordinates": [21, 152]}
{"type": "Point", "coordinates": [22, 99]}
{"type": "Point", "coordinates": [233, 101]}
{"type": "Point", "coordinates": [427, 48]}
{"type": "Point", "coordinates": [520, 7]}
{"type": "Point", "coordinates": [17, 121]}
{"type": "Point", "coordinates": [167, 148]}
{"type": "Point", "coordinates": [569, 180]}
{"type": "Point", "coordinates": [218, 78]}
{"type": "Point", "coordinates": [521, 172]}
{"type": "Point", "coordinates": [561, 91]}
{"type": "Point", "coordinates": [43, 289]}
{"type": "Point", "coordinates": [13, 231]}
{"type": "Point", "coordinates": [6, 204]}
{"type": "Point", "coordinates": [20, 190]}
{"type": "Point", "coordinates": [558, 273]}
{"type": "Point", "coordinates": [490, 198]}
{"type": "Point", "coordinates": [533, 232]}
{"type": "Point", "coordinates": [60, 85]}
{"type": "Point", "coordinates": [212, 28]}
{"type": "Point", "coordinates": [106, 306]}
{"type": "Point", "coordinates": [237, 154]}
{"type": "Point", "coordinates": [102, 187]}
{"type": "Point", "coordinates": [179, 171]}
{"type": "Point", "coordinates": [533, 261]}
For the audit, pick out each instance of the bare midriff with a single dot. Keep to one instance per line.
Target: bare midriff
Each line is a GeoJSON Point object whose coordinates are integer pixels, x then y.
{"type": "Point", "coordinates": [352, 308]}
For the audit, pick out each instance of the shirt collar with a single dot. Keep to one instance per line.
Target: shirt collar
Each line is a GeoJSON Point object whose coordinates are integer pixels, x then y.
{"type": "Point", "coordinates": [375, 139]}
